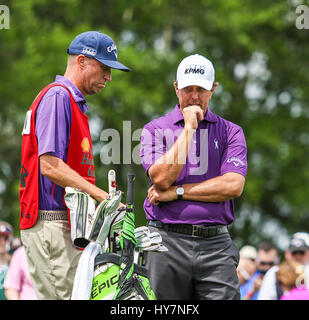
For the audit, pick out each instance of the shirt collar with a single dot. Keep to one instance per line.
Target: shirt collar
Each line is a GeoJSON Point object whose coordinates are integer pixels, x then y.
{"type": "Point", "coordinates": [77, 95]}
{"type": "Point", "coordinates": [177, 115]}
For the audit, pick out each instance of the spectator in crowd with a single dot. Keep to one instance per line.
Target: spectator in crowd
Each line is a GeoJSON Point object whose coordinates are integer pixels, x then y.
{"type": "Point", "coordinates": [298, 252]}
{"type": "Point", "coordinates": [246, 266]}
{"type": "Point", "coordinates": [248, 252]}
{"type": "Point", "coordinates": [17, 283]}
{"type": "Point", "coordinates": [290, 276]}
{"type": "Point", "coordinates": [267, 256]}
{"type": "Point", "coordinates": [15, 244]}
{"type": "Point", "coordinates": [303, 258]}
{"type": "Point", "coordinates": [6, 234]}
{"type": "Point", "coordinates": [245, 270]}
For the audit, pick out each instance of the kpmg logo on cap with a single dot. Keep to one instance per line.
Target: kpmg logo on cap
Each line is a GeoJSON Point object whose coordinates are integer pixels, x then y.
{"type": "Point", "coordinates": [194, 69]}
{"type": "Point", "coordinates": [112, 48]}
{"type": "Point", "coordinates": [89, 51]}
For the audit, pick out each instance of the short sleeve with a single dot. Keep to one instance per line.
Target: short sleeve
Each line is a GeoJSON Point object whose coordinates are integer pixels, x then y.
{"type": "Point", "coordinates": [53, 123]}
{"type": "Point", "coordinates": [235, 154]}
{"type": "Point", "coordinates": [153, 145]}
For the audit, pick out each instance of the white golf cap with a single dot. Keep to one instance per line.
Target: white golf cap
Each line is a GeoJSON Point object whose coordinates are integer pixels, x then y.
{"type": "Point", "coordinates": [248, 252]}
{"type": "Point", "coordinates": [195, 70]}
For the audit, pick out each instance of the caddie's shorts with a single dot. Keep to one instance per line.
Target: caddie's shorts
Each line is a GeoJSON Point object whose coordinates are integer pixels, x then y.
{"type": "Point", "coordinates": [194, 267]}
{"type": "Point", "coordinates": [52, 258]}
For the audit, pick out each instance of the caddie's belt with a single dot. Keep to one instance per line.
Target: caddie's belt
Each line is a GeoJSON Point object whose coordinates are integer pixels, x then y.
{"type": "Point", "coordinates": [52, 215]}
{"type": "Point", "coordinates": [192, 230]}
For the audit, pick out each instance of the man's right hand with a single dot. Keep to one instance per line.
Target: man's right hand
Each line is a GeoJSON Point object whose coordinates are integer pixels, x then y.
{"type": "Point", "coordinates": [192, 116]}
{"type": "Point", "coordinates": [56, 170]}
{"type": "Point", "coordinates": [164, 172]}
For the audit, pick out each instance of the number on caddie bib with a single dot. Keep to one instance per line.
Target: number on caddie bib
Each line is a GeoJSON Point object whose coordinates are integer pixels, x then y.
{"type": "Point", "coordinates": [27, 123]}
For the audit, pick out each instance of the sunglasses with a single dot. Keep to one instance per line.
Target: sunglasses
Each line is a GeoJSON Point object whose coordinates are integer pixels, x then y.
{"type": "Point", "coordinates": [298, 252]}
{"type": "Point", "coordinates": [264, 263]}
{"type": "Point", "coordinates": [4, 236]}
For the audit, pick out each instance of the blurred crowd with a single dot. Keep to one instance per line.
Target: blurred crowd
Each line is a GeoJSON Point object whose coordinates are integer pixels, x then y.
{"type": "Point", "coordinates": [15, 283]}
{"type": "Point", "coordinates": [261, 274]}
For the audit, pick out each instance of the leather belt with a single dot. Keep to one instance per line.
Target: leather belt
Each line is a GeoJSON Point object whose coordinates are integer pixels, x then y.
{"type": "Point", "coordinates": [192, 230]}
{"type": "Point", "coordinates": [52, 215]}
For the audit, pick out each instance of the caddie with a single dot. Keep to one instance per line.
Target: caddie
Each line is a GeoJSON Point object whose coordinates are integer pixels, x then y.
{"type": "Point", "coordinates": [196, 163]}
{"type": "Point", "coordinates": [57, 152]}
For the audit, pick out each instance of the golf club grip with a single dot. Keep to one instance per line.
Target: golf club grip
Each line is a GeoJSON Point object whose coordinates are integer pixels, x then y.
{"type": "Point", "coordinates": [111, 181]}
{"type": "Point", "coordinates": [130, 190]}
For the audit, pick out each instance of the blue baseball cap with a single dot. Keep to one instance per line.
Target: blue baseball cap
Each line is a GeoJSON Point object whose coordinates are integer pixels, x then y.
{"type": "Point", "coordinates": [97, 45]}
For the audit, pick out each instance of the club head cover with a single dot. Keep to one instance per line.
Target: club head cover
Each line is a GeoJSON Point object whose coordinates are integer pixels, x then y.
{"type": "Point", "coordinates": [103, 217]}
{"type": "Point", "coordinates": [82, 209]}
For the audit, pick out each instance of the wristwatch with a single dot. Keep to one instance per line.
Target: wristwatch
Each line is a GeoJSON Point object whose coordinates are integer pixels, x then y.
{"type": "Point", "coordinates": [180, 191]}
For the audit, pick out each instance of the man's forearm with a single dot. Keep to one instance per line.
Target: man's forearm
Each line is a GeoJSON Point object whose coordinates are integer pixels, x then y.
{"type": "Point", "coordinates": [61, 174]}
{"type": "Point", "coordinates": [164, 172]}
{"type": "Point", "coordinates": [222, 188]}
{"type": "Point", "coordinates": [217, 189]}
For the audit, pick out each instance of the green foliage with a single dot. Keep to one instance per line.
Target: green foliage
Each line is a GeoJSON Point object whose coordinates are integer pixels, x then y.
{"type": "Point", "coordinates": [261, 62]}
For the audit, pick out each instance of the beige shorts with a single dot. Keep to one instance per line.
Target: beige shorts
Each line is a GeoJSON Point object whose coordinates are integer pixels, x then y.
{"type": "Point", "coordinates": [52, 258]}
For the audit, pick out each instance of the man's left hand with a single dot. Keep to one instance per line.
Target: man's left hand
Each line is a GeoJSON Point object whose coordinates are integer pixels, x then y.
{"type": "Point", "coordinates": [155, 195]}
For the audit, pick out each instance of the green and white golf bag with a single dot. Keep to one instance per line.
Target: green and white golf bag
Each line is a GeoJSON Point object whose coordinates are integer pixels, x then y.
{"type": "Point", "coordinates": [106, 270]}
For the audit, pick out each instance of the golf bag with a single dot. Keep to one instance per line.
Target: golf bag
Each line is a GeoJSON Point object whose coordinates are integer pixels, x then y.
{"type": "Point", "coordinates": [106, 269]}
{"type": "Point", "coordinates": [106, 279]}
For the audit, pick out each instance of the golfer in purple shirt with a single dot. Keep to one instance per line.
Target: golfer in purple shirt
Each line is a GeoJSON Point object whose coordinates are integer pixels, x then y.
{"type": "Point", "coordinates": [196, 162]}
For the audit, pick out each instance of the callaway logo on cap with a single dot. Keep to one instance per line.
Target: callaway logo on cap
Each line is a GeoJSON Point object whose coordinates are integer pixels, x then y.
{"type": "Point", "coordinates": [195, 70]}
{"type": "Point", "coordinates": [97, 45]}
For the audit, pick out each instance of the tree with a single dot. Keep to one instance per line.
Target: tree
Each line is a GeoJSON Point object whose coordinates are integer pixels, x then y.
{"type": "Point", "coordinates": [260, 59]}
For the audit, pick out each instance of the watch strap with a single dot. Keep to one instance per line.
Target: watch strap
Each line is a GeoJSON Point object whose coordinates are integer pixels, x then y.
{"type": "Point", "coordinates": [179, 196]}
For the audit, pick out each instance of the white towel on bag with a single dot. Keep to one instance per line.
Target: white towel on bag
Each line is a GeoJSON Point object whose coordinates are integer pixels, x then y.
{"type": "Point", "coordinates": [84, 273]}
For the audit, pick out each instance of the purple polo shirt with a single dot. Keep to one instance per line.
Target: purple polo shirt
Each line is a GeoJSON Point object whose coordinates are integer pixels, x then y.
{"type": "Point", "coordinates": [53, 125]}
{"type": "Point", "coordinates": [217, 147]}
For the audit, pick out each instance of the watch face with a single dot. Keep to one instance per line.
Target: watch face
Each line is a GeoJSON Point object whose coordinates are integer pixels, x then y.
{"type": "Point", "coordinates": [180, 191]}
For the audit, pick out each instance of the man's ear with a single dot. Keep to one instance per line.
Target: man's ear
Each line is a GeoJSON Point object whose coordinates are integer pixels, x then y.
{"type": "Point", "coordinates": [81, 60]}
{"type": "Point", "coordinates": [214, 86]}
{"type": "Point", "coordinates": [176, 87]}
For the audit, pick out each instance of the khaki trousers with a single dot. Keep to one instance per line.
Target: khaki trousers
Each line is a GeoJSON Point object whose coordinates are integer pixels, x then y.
{"type": "Point", "coordinates": [52, 258]}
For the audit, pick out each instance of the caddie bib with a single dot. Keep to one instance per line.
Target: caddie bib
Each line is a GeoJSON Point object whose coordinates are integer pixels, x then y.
{"type": "Point", "coordinates": [79, 157]}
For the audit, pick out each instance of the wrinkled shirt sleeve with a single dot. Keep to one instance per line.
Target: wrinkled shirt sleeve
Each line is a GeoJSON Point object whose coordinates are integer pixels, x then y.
{"type": "Point", "coordinates": [53, 123]}
{"type": "Point", "coordinates": [235, 154]}
{"type": "Point", "coordinates": [152, 146]}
